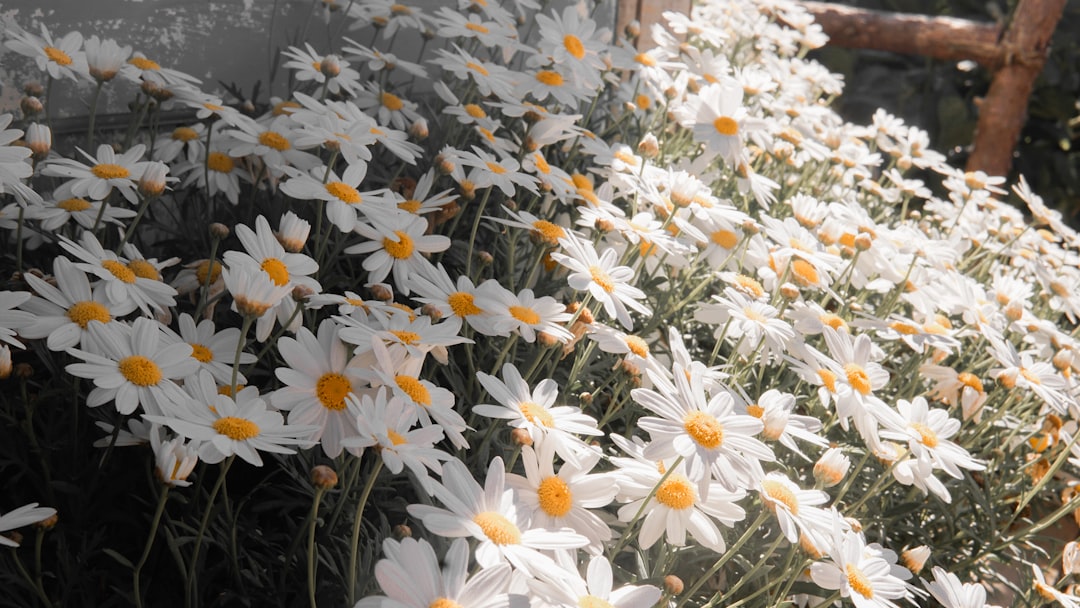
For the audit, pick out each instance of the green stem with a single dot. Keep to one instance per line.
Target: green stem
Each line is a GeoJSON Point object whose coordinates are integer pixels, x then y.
{"type": "Point", "coordinates": [470, 251]}
{"type": "Point", "coordinates": [630, 526]}
{"type": "Point", "coordinates": [93, 116]}
{"type": "Point", "coordinates": [191, 586]}
{"type": "Point", "coordinates": [355, 543]}
{"type": "Point", "coordinates": [732, 551]}
{"type": "Point", "coordinates": [149, 544]}
{"type": "Point", "coordinates": [134, 222]}
{"type": "Point", "coordinates": [248, 320]}
{"type": "Point", "coordinates": [313, 560]}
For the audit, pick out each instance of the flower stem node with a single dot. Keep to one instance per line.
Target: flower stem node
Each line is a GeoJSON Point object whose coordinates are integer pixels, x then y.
{"type": "Point", "coordinates": [673, 585]}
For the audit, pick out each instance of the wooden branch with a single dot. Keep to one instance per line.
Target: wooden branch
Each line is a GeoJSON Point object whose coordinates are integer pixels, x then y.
{"type": "Point", "coordinates": [942, 38]}
{"type": "Point", "coordinates": [1004, 109]}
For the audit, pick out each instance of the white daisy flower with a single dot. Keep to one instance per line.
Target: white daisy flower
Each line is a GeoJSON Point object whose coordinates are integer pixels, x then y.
{"type": "Point", "coordinates": [215, 351]}
{"type": "Point", "coordinates": [950, 592]}
{"type": "Point", "coordinates": [524, 313]}
{"type": "Point", "coordinates": [411, 577]}
{"type": "Point", "coordinates": [61, 58]}
{"type": "Point", "coordinates": [608, 283]}
{"type": "Point", "coordinates": [11, 320]}
{"type": "Point", "coordinates": [927, 432]}
{"type": "Point", "coordinates": [174, 460]}
{"type": "Point", "coordinates": [385, 423]}
{"type": "Point", "coordinates": [23, 516]}
{"type": "Point", "coordinates": [396, 243]}
{"type": "Point", "coordinates": [563, 500]}
{"type": "Point", "coordinates": [595, 590]}
{"type": "Point", "coordinates": [535, 411]}
{"type": "Point", "coordinates": [242, 427]}
{"type": "Point", "coordinates": [122, 286]}
{"type": "Point", "coordinates": [796, 509]}
{"type": "Point", "coordinates": [320, 389]}
{"type": "Point", "coordinates": [128, 366]}
{"type": "Point", "coordinates": [858, 573]}
{"type": "Point", "coordinates": [491, 516]}
{"type": "Point", "coordinates": [105, 172]}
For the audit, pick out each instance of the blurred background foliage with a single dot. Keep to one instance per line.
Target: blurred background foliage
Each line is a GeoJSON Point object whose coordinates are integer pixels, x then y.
{"type": "Point", "coordinates": [941, 97]}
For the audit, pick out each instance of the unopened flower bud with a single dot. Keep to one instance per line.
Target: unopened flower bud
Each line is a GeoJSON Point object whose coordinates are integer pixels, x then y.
{"type": "Point", "coordinates": [24, 371]}
{"type": "Point", "coordinates": [219, 231]}
{"type": "Point", "coordinates": [585, 398]}
{"type": "Point", "coordinates": [431, 311]}
{"type": "Point", "coordinates": [428, 34]}
{"type": "Point", "coordinates": [673, 585]}
{"type": "Point", "coordinates": [632, 29]}
{"type": "Point", "coordinates": [302, 292]}
{"type": "Point", "coordinates": [831, 468]}
{"type": "Point", "coordinates": [444, 164]}
{"type": "Point", "coordinates": [750, 227]}
{"type": "Point", "coordinates": [155, 90]}
{"type": "Point", "coordinates": [1070, 559]}
{"type": "Point", "coordinates": [247, 107]}
{"type": "Point", "coordinates": [484, 257]}
{"type": "Point", "coordinates": [521, 437]}
{"type": "Point", "coordinates": [152, 182]}
{"type": "Point", "coordinates": [418, 130]}
{"type": "Point", "coordinates": [39, 140]}
{"type": "Point", "coordinates": [5, 362]}
{"type": "Point", "coordinates": [856, 525]}
{"type": "Point", "coordinates": [323, 477]}
{"type": "Point", "coordinates": [915, 558]}
{"type": "Point", "coordinates": [864, 241]}
{"type": "Point", "coordinates": [1014, 311]}
{"type": "Point", "coordinates": [381, 292]}
{"type": "Point", "coordinates": [31, 106]}
{"type": "Point", "coordinates": [789, 291]}
{"type": "Point", "coordinates": [648, 147]}
{"type": "Point", "coordinates": [547, 340]}
{"type": "Point", "coordinates": [48, 523]}
{"type": "Point", "coordinates": [330, 66]}
{"type": "Point", "coordinates": [401, 531]}
{"type": "Point", "coordinates": [293, 232]}
{"type": "Point", "coordinates": [33, 89]}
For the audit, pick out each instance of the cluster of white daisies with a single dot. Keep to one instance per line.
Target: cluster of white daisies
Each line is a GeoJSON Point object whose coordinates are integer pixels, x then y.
{"type": "Point", "coordinates": [761, 287]}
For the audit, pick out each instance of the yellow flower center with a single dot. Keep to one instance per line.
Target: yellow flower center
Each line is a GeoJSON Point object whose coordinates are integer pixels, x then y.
{"type": "Point", "coordinates": [536, 414]}
{"type": "Point", "coordinates": [277, 271]}
{"type": "Point", "coordinates": [805, 273]}
{"type": "Point", "coordinates": [119, 271]}
{"type": "Point", "coordinates": [206, 268]}
{"type": "Point", "coordinates": [408, 337]}
{"type": "Point", "coordinates": [476, 67]}
{"type": "Point", "coordinates": [220, 162]}
{"type": "Point", "coordinates": [971, 380]}
{"type": "Point", "coordinates": [858, 582]}
{"type": "Point", "coordinates": [858, 378]}
{"type": "Point", "coordinates": [395, 437]}
{"type": "Point", "coordinates": [391, 102]}
{"type": "Point", "coordinates": [237, 429]}
{"type": "Point", "coordinates": [645, 59]}
{"type": "Point", "coordinates": [144, 64]}
{"type": "Point", "coordinates": [139, 370]}
{"type": "Point", "coordinates": [411, 206]}
{"type": "Point", "coordinates": [495, 168]}
{"type": "Point", "coordinates": [57, 56]}
{"type": "Point", "coordinates": [749, 285]}
{"type": "Point", "coordinates": [462, 304]}
{"type": "Point", "coordinates": [602, 278]}
{"type": "Point", "coordinates": [574, 46]}
{"type": "Point", "coordinates": [642, 101]}
{"type": "Point", "coordinates": [476, 27]}
{"type": "Point", "coordinates": [754, 315]}
{"type": "Point", "coordinates": [834, 321]}
{"type": "Point", "coordinates": [475, 111]}
{"type": "Point", "coordinates": [705, 429]}
{"type": "Point", "coordinates": [724, 238]}
{"type": "Point", "coordinates": [344, 192]}
{"type": "Point", "coordinates": [926, 435]}
{"type": "Point", "coordinates": [144, 269]}
{"type": "Point", "coordinates": [547, 232]}
{"type": "Point", "coordinates": [201, 353]}
{"type": "Point", "coordinates": [71, 205]}
{"type": "Point", "coordinates": [549, 78]}
{"type": "Point", "coordinates": [555, 496]}
{"type": "Point", "coordinates": [637, 346]}
{"type": "Point", "coordinates": [526, 315]}
{"type": "Point", "coordinates": [828, 379]}
{"type": "Point", "coordinates": [274, 140]}
{"type": "Point", "coordinates": [497, 528]}
{"type": "Point", "coordinates": [331, 389]}
{"type": "Point", "coordinates": [81, 313]}
{"type": "Point", "coordinates": [755, 410]}
{"type": "Point", "coordinates": [213, 107]}
{"type": "Point", "coordinates": [1032, 378]}
{"type": "Point", "coordinates": [414, 389]}
{"type": "Point", "coordinates": [109, 171]}
{"type": "Point", "coordinates": [400, 9]}
{"type": "Point", "coordinates": [725, 125]}
{"type": "Point", "coordinates": [400, 250]}
{"type": "Point", "coordinates": [591, 601]}
{"type": "Point", "coordinates": [906, 329]}
{"type": "Point", "coordinates": [185, 134]}
{"type": "Point", "coordinates": [541, 164]}
{"type": "Point", "coordinates": [677, 493]}
{"type": "Point", "coordinates": [782, 494]}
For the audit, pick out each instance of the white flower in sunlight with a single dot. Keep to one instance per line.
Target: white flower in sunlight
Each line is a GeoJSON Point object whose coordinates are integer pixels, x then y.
{"type": "Point", "coordinates": [601, 276]}
{"type": "Point", "coordinates": [858, 573]}
{"type": "Point", "coordinates": [948, 590]}
{"type": "Point", "coordinates": [396, 243]}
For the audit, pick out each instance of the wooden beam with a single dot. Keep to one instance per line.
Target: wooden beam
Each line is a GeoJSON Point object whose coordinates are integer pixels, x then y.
{"type": "Point", "coordinates": [942, 38]}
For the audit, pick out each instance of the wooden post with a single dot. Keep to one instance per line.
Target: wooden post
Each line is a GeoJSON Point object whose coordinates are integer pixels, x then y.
{"type": "Point", "coordinates": [1004, 109]}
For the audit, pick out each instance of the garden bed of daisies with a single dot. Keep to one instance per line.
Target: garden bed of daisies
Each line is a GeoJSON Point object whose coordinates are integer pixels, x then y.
{"type": "Point", "coordinates": [527, 318]}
